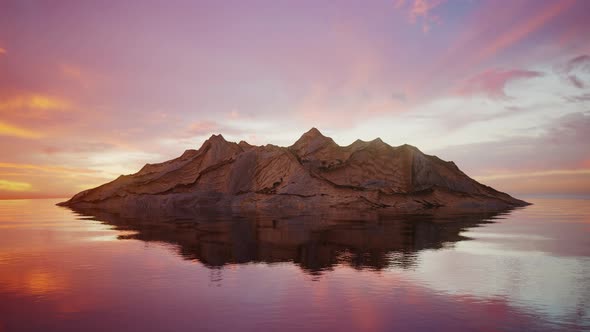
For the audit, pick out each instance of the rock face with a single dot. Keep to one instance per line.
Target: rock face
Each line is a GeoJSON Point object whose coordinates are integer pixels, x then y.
{"type": "Point", "coordinates": [313, 173]}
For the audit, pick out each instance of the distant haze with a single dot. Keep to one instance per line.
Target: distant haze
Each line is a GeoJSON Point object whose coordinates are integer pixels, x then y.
{"type": "Point", "coordinates": [92, 90]}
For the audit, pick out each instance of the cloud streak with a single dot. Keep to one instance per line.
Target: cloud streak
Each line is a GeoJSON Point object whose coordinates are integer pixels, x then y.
{"type": "Point", "coordinates": [14, 131]}
{"type": "Point", "coordinates": [492, 82]}
{"type": "Point", "coordinates": [32, 101]}
{"type": "Point", "coordinates": [46, 168]}
{"type": "Point", "coordinates": [522, 29]}
{"type": "Point", "coordinates": [561, 145]}
{"type": "Point", "coordinates": [6, 185]}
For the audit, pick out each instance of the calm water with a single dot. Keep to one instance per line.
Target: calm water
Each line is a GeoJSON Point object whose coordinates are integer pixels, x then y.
{"type": "Point", "coordinates": [525, 270]}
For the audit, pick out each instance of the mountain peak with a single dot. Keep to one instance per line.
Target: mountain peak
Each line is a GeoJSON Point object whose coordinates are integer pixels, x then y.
{"type": "Point", "coordinates": [314, 172]}
{"type": "Point", "coordinates": [217, 137]}
{"type": "Point", "coordinates": [313, 132]}
{"type": "Point", "coordinates": [313, 135]}
{"type": "Point", "coordinates": [216, 140]}
{"type": "Point", "coordinates": [312, 140]}
{"type": "Point", "coordinates": [245, 145]}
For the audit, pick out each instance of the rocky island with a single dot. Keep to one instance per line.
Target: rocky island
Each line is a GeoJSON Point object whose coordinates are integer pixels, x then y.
{"type": "Point", "coordinates": [313, 173]}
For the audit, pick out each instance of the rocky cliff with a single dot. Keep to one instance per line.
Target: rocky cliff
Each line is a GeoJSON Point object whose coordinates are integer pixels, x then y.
{"type": "Point", "coordinates": [313, 173]}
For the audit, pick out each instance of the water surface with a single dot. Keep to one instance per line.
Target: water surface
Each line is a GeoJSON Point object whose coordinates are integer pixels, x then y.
{"type": "Point", "coordinates": [528, 269]}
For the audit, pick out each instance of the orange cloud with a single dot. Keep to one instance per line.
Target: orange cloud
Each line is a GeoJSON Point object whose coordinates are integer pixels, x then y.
{"type": "Point", "coordinates": [10, 130]}
{"type": "Point", "coordinates": [6, 185]}
{"type": "Point", "coordinates": [552, 181]}
{"type": "Point", "coordinates": [2, 51]}
{"type": "Point", "coordinates": [30, 115]}
{"type": "Point", "coordinates": [39, 181]}
{"type": "Point", "coordinates": [52, 169]}
{"type": "Point", "coordinates": [34, 101]}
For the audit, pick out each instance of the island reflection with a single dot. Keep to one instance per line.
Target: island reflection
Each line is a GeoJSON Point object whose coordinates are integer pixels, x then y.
{"type": "Point", "coordinates": [316, 243]}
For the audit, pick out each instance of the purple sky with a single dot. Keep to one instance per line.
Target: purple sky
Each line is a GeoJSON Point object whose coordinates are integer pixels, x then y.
{"type": "Point", "coordinates": [93, 89]}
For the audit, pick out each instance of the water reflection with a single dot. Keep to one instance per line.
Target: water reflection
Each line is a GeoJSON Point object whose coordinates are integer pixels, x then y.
{"type": "Point", "coordinates": [528, 271]}
{"type": "Point", "coordinates": [316, 243]}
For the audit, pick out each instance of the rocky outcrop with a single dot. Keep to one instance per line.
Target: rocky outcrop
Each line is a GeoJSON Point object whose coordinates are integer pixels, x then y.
{"type": "Point", "coordinates": [315, 172]}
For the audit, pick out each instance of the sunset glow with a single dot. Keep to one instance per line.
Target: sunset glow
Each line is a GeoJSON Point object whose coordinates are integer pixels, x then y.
{"type": "Point", "coordinates": [89, 91]}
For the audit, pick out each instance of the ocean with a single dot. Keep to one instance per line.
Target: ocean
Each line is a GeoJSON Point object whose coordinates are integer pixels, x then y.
{"type": "Point", "coordinates": [525, 269]}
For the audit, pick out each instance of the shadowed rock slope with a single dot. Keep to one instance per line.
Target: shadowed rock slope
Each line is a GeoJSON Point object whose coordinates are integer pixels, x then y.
{"type": "Point", "coordinates": [312, 173]}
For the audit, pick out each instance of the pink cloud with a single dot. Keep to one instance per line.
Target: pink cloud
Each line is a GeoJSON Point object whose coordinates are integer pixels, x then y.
{"type": "Point", "coordinates": [522, 29]}
{"type": "Point", "coordinates": [421, 10]}
{"type": "Point", "coordinates": [492, 83]}
{"type": "Point", "coordinates": [561, 144]}
{"type": "Point", "coordinates": [558, 153]}
{"type": "Point", "coordinates": [494, 32]}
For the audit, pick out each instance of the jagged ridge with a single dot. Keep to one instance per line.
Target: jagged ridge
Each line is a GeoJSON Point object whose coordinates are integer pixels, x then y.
{"type": "Point", "coordinates": [313, 172]}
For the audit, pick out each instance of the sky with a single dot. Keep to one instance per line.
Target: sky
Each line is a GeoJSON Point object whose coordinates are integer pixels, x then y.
{"type": "Point", "coordinates": [90, 90]}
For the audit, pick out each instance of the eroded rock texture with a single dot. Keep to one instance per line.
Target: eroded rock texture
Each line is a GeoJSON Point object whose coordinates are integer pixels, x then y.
{"type": "Point", "coordinates": [313, 173]}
